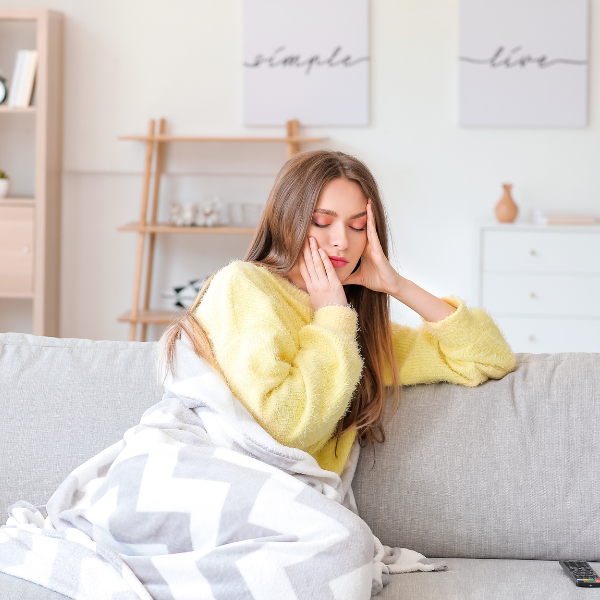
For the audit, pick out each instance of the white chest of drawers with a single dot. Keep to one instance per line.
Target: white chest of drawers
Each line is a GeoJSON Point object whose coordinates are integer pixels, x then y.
{"type": "Point", "coordinates": [541, 284]}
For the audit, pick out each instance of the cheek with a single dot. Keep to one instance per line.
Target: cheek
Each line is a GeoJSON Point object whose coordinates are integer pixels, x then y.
{"type": "Point", "coordinates": [319, 235]}
{"type": "Point", "coordinates": [360, 244]}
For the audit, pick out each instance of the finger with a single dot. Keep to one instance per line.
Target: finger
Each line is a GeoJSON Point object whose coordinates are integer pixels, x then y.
{"type": "Point", "coordinates": [309, 263]}
{"type": "Point", "coordinates": [371, 230]}
{"type": "Point", "coordinates": [329, 269]}
{"type": "Point", "coordinates": [319, 267]}
{"type": "Point", "coordinates": [304, 272]}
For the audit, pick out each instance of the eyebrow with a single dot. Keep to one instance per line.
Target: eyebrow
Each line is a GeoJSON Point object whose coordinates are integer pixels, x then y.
{"type": "Point", "coordinates": [332, 213]}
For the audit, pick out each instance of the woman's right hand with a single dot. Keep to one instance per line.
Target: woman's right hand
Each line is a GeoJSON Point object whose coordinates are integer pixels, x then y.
{"type": "Point", "coordinates": [322, 282]}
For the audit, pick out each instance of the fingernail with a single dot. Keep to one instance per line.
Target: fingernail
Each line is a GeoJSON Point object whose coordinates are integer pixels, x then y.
{"type": "Point", "coordinates": [312, 240]}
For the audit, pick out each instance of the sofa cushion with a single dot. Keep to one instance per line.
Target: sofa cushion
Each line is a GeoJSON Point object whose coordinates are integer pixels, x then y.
{"type": "Point", "coordinates": [13, 588]}
{"type": "Point", "coordinates": [63, 401]}
{"type": "Point", "coordinates": [503, 470]}
{"type": "Point", "coordinates": [474, 579]}
{"type": "Point", "coordinates": [465, 579]}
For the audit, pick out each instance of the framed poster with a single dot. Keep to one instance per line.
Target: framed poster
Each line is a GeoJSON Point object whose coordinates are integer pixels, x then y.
{"type": "Point", "coordinates": [306, 60]}
{"type": "Point", "coordinates": [523, 63]}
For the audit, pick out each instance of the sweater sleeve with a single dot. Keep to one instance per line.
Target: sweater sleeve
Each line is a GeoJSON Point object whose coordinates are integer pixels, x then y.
{"type": "Point", "coordinates": [465, 348]}
{"type": "Point", "coordinates": [297, 382]}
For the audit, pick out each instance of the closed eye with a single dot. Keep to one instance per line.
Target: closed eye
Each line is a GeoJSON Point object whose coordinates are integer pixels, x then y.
{"type": "Point", "coordinates": [327, 225]}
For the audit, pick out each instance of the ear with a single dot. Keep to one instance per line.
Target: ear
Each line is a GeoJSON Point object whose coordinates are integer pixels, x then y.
{"type": "Point", "coordinates": [357, 265]}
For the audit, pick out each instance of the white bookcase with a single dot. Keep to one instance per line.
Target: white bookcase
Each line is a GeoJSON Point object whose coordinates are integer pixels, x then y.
{"type": "Point", "coordinates": [541, 284]}
{"type": "Point", "coordinates": [31, 155]}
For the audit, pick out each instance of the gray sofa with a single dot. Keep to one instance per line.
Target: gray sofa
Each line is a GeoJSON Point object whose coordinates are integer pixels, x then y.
{"type": "Point", "coordinates": [499, 480]}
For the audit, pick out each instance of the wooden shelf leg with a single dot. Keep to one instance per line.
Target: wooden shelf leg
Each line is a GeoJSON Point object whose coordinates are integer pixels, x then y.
{"type": "Point", "coordinates": [155, 193]}
{"type": "Point", "coordinates": [293, 128]}
{"type": "Point", "coordinates": [135, 308]}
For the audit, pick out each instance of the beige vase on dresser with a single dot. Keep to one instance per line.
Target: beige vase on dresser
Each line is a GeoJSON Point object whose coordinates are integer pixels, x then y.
{"type": "Point", "coordinates": [506, 209]}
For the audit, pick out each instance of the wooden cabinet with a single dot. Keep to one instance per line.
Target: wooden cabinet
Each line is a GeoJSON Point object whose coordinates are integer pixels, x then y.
{"type": "Point", "coordinates": [31, 155]}
{"type": "Point", "coordinates": [541, 284]}
{"type": "Point", "coordinates": [16, 251]}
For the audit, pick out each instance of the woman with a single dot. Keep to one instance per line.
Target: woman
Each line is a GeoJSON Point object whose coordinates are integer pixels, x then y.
{"type": "Point", "coordinates": [198, 501]}
{"type": "Point", "coordinates": [300, 329]}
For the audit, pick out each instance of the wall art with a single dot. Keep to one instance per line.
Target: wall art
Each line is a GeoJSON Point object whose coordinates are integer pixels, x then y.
{"type": "Point", "coordinates": [306, 60]}
{"type": "Point", "coordinates": [523, 63]}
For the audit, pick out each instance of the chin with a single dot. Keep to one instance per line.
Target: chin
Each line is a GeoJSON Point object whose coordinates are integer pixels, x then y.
{"type": "Point", "coordinates": [344, 273]}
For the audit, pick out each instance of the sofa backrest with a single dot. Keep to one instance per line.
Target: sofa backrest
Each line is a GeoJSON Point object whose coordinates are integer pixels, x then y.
{"type": "Point", "coordinates": [62, 402]}
{"type": "Point", "coordinates": [507, 469]}
{"type": "Point", "coordinates": [503, 470]}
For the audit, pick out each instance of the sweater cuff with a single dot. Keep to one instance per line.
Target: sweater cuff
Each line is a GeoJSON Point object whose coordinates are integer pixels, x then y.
{"type": "Point", "coordinates": [455, 329]}
{"type": "Point", "coordinates": [338, 318]}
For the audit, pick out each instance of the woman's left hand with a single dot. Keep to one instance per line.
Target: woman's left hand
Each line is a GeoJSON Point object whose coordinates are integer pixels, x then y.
{"type": "Point", "coordinates": [375, 271]}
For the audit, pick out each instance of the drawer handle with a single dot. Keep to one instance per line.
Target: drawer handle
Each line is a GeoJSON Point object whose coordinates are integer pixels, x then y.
{"type": "Point", "coordinates": [532, 252]}
{"type": "Point", "coordinates": [26, 249]}
{"type": "Point", "coordinates": [532, 295]}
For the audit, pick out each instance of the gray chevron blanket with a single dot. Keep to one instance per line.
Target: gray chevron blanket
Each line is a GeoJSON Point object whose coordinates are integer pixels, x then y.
{"type": "Point", "coordinates": [198, 501]}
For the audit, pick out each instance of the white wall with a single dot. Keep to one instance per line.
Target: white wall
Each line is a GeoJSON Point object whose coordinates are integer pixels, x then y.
{"type": "Point", "coordinates": [129, 61]}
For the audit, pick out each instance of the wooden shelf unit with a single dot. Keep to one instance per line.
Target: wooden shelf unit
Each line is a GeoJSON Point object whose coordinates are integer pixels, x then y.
{"type": "Point", "coordinates": [30, 226]}
{"type": "Point", "coordinates": [148, 227]}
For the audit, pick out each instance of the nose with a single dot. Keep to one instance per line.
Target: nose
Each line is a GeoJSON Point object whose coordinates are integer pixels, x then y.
{"type": "Point", "coordinates": [339, 239]}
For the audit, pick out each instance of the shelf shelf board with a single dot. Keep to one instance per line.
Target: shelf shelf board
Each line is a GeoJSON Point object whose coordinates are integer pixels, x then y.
{"type": "Point", "coordinates": [177, 138]}
{"type": "Point", "coordinates": [156, 317]}
{"type": "Point", "coordinates": [17, 201]}
{"type": "Point", "coordinates": [17, 295]}
{"type": "Point", "coordinates": [165, 228]}
{"type": "Point", "coordinates": [17, 109]}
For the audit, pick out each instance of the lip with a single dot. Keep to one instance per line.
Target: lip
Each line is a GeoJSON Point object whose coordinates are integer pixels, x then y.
{"type": "Point", "coordinates": [338, 261]}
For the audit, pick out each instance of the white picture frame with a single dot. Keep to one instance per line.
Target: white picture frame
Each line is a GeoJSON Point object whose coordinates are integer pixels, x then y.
{"type": "Point", "coordinates": [523, 63]}
{"type": "Point", "coordinates": [306, 60]}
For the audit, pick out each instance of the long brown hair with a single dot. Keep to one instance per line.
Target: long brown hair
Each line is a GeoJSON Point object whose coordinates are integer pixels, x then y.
{"type": "Point", "coordinates": [277, 245]}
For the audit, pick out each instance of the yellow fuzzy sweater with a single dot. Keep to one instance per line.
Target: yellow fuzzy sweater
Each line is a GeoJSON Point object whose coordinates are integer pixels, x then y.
{"type": "Point", "coordinates": [295, 369]}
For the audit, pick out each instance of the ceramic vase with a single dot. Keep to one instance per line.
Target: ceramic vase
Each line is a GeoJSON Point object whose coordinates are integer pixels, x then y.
{"type": "Point", "coordinates": [506, 209]}
{"type": "Point", "coordinates": [4, 187]}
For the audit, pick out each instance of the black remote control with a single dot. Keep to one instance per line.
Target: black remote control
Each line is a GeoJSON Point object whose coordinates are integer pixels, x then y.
{"type": "Point", "coordinates": [581, 573]}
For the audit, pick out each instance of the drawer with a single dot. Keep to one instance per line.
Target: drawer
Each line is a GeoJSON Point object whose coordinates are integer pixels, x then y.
{"type": "Point", "coordinates": [16, 249]}
{"type": "Point", "coordinates": [538, 294]}
{"type": "Point", "coordinates": [539, 335]}
{"type": "Point", "coordinates": [544, 251]}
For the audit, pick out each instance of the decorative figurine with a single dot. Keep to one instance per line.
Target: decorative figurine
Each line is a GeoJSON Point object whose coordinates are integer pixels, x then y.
{"type": "Point", "coordinates": [175, 217]}
{"type": "Point", "coordinates": [188, 214]}
{"type": "Point", "coordinates": [208, 215]}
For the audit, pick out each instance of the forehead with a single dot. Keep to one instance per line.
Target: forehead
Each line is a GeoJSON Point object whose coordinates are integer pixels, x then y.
{"type": "Point", "coordinates": [342, 196]}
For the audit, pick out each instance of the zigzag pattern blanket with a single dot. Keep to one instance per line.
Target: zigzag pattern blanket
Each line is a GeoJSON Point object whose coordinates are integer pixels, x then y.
{"type": "Point", "coordinates": [198, 501]}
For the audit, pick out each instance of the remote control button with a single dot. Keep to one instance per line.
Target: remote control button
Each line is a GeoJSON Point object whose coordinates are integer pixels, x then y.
{"type": "Point", "coordinates": [597, 580]}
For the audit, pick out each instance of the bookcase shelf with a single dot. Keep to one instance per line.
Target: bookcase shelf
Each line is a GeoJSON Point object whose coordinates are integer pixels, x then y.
{"type": "Point", "coordinates": [18, 109]}
{"type": "Point", "coordinates": [17, 201]}
{"type": "Point", "coordinates": [149, 227]}
{"type": "Point", "coordinates": [153, 317]}
{"type": "Point", "coordinates": [30, 225]}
